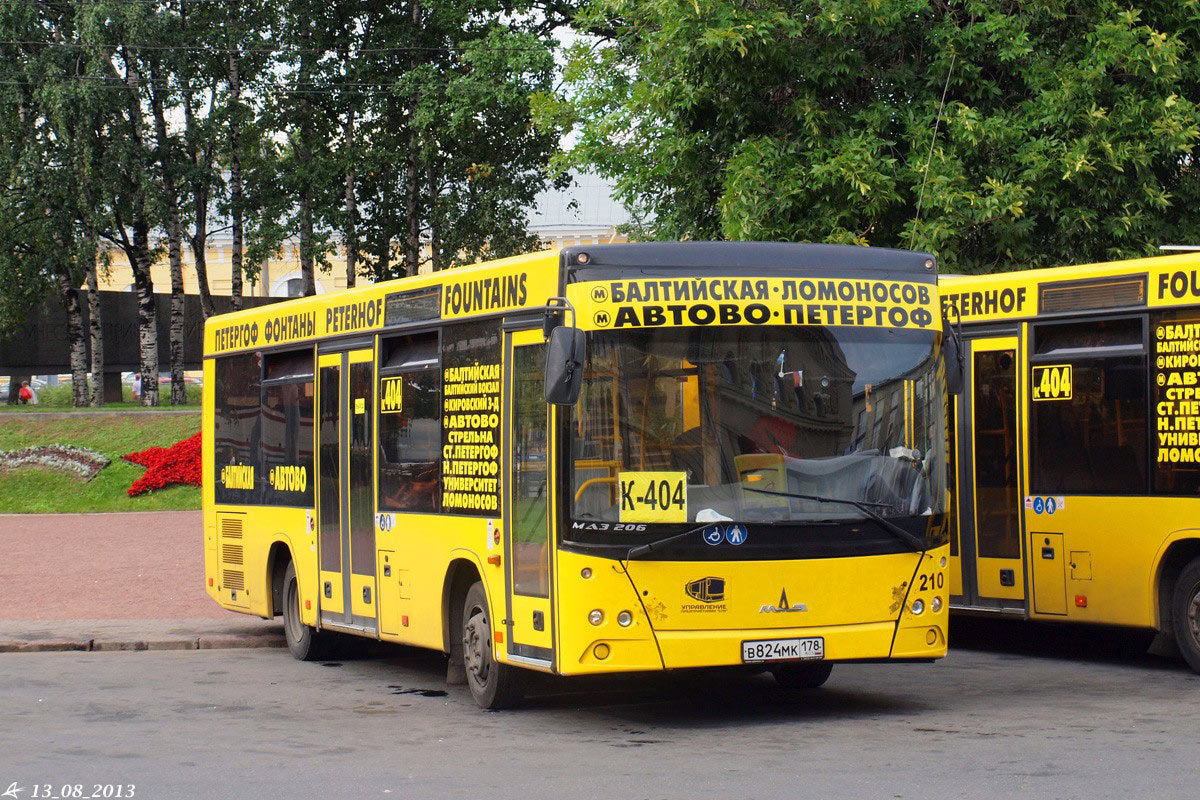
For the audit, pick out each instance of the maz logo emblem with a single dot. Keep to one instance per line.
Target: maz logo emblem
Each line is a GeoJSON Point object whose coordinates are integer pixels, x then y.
{"type": "Point", "coordinates": [784, 607]}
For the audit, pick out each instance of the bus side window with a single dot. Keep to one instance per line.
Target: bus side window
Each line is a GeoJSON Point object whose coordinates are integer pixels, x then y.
{"type": "Point", "coordinates": [287, 429]}
{"type": "Point", "coordinates": [1175, 448]}
{"type": "Point", "coordinates": [1088, 431]}
{"type": "Point", "coordinates": [410, 424]}
{"type": "Point", "coordinates": [237, 430]}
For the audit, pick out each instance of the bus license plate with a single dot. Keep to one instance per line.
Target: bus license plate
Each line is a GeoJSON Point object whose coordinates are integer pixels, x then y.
{"type": "Point", "coordinates": [783, 649]}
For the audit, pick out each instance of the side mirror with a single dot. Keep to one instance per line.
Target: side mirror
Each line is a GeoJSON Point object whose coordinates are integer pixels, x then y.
{"type": "Point", "coordinates": [564, 365]}
{"type": "Point", "coordinates": [952, 352]}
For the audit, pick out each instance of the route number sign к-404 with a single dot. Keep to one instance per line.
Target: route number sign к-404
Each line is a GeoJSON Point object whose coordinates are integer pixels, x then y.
{"type": "Point", "coordinates": [653, 496]}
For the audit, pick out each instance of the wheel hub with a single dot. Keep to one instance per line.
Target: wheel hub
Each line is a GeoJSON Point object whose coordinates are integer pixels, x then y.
{"type": "Point", "coordinates": [475, 656]}
{"type": "Point", "coordinates": [293, 619]}
{"type": "Point", "coordinates": [1193, 615]}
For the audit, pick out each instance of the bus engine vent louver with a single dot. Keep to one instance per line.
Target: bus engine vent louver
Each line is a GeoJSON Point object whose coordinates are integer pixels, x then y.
{"type": "Point", "coordinates": [231, 553]}
{"type": "Point", "coordinates": [1091, 295]}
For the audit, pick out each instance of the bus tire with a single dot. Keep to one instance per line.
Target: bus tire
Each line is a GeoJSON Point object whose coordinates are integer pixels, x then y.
{"type": "Point", "coordinates": [802, 676]}
{"type": "Point", "coordinates": [493, 685]}
{"type": "Point", "coordinates": [304, 642]}
{"type": "Point", "coordinates": [1185, 613]}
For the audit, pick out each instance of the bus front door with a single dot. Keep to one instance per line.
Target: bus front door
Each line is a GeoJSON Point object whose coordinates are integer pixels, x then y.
{"type": "Point", "coordinates": [990, 545]}
{"type": "Point", "coordinates": [345, 496]}
{"type": "Point", "coordinates": [528, 503]}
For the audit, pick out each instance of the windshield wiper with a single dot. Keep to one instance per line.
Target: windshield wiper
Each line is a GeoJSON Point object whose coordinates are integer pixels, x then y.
{"type": "Point", "coordinates": [909, 539]}
{"type": "Point", "coordinates": [649, 547]}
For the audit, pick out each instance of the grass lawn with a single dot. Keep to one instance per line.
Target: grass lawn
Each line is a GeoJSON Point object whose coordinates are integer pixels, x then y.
{"type": "Point", "coordinates": [34, 491]}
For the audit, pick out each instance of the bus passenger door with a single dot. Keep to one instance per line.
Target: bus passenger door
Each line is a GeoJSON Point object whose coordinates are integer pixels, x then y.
{"type": "Point", "coordinates": [988, 437]}
{"type": "Point", "coordinates": [345, 491]}
{"type": "Point", "coordinates": [528, 502]}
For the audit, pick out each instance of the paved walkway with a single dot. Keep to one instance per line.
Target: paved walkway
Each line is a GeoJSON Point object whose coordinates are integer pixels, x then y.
{"type": "Point", "coordinates": [112, 581]}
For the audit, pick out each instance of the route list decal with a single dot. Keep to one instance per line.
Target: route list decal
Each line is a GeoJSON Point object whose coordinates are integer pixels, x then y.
{"type": "Point", "coordinates": [1177, 381]}
{"type": "Point", "coordinates": [471, 443]}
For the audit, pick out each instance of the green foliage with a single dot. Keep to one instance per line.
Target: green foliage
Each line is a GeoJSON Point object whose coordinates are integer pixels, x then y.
{"type": "Point", "coordinates": [1068, 132]}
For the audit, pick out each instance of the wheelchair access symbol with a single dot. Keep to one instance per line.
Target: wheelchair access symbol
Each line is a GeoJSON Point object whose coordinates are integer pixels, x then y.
{"type": "Point", "coordinates": [713, 535]}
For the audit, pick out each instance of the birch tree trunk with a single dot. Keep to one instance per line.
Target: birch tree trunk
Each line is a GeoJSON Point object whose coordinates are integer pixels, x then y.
{"type": "Point", "coordinates": [350, 234]}
{"type": "Point", "coordinates": [412, 210]}
{"type": "Point", "coordinates": [79, 365]}
{"type": "Point", "coordinates": [199, 236]}
{"type": "Point", "coordinates": [138, 250]}
{"type": "Point", "coordinates": [435, 230]}
{"type": "Point", "coordinates": [95, 329]}
{"type": "Point", "coordinates": [306, 237]}
{"type": "Point", "coordinates": [174, 248]}
{"type": "Point", "coordinates": [412, 192]}
{"type": "Point", "coordinates": [235, 184]}
{"type": "Point", "coordinates": [147, 312]}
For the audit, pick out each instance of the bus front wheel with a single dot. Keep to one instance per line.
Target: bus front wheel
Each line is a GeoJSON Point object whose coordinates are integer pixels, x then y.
{"type": "Point", "coordinates": [1185, 613]}
{"type": "Point", "coordinates": [305, 643]}
{"type": "Point", "coordinates": [493, 685]}
{"type": "Point", "coordinates": [802, 676]}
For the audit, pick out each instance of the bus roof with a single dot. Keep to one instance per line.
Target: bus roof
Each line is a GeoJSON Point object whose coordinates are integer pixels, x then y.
{"type": "Point", "coordinates": [1129, 285]}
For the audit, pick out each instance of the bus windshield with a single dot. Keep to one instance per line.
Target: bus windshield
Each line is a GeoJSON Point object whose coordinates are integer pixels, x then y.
{"type": "Point", "coordinates": [747, 419]}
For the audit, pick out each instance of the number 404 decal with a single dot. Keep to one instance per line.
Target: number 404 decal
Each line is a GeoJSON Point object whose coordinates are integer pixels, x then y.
{"type": "Point", "coordinates": [1052, 382]}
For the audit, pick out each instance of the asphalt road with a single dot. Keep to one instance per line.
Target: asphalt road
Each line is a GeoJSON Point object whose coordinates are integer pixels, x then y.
{"type": "Point", "coordinates": [1018, 718]}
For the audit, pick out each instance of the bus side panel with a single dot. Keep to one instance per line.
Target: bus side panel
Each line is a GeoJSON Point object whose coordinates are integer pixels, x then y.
{"type": "Point", "coordinates": [1112, 547]}
{"type": "Point", "coordinates": [420, 549]}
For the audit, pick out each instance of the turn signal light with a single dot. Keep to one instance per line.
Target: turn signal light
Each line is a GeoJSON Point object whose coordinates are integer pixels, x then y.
{"type": "Point", "coordinates": [1081, 601]}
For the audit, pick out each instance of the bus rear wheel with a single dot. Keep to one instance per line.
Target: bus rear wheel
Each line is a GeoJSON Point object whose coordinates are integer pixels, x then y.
{"type": "Point", "coordinates": [802, 676]}
{"type": "Point", "coordinates": [305, 643]}
{"type": "Point", "coordinates": [1185, 614]}
{"type": "Point", "coordinates": [493, 685]}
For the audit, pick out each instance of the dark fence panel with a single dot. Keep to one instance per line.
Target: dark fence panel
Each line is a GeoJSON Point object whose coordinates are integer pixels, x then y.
{"type": "Point", "coordinates": [42, 346]}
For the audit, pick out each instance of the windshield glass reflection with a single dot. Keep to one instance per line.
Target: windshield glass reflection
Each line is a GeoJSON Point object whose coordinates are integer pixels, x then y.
{"type": "Point", "coordinates": [749, 415]}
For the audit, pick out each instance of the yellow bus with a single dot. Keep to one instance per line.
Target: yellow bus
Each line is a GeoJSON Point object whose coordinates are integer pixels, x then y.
{"type": "Point", "coordinates": [612, 458]}
{"type": "Point", "coordinates": [1078, 445]}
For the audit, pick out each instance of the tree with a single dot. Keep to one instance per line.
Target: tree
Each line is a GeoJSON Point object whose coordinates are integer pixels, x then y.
{"type": "Point", "coordinates": [1068, 131]}
{"type": "Point", "coordinates": [50, 157]}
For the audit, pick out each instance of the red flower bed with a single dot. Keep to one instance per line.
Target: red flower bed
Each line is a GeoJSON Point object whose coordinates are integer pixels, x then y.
{"type": "Point", "coordinates": [179, 463]}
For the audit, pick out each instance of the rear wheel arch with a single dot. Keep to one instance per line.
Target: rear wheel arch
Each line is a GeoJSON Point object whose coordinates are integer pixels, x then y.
{"type": "Point", "coordinates": [461, 574]}
{"type": "Point", "coordinates": [1177, 556]}
{"type": "Point", "coordinates": [278, 558]}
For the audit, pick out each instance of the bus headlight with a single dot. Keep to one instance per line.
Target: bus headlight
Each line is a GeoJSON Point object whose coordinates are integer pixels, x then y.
{"type": "Point", "coordinates": [624, 619]}
{"type": "Point", "coordinates": [918, 606]}
{"type": "Point", "coordinates": [596, 617]}
{"type": "Point", "coordinates": [936, 604]}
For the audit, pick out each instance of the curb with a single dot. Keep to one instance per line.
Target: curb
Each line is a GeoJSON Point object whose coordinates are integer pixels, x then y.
{"type": "Point", "coordinates": [207, 642]}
